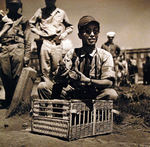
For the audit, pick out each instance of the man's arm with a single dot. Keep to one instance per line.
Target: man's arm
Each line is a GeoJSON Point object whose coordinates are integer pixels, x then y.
{"type": "Point", "coordinates": [27, 42]}
{"type": "Point", "coordinates": [107, 74]}
{"type": "Point", "coordinates": [99, 83]}
{"type": "Point", "coordinates": [7, 22]}
{"type": "Point", "coordinates": [33, 22]}
{"type": "Point", "coordinates": [68, 27]}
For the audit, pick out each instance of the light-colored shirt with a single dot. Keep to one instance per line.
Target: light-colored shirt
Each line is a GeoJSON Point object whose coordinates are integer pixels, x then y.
{"type": "Point", "coordinates": [101, 65]}
{"type": "Point", "coordinates": [19, 32]}
{"type": "Point", "coordinates": [51, 24]}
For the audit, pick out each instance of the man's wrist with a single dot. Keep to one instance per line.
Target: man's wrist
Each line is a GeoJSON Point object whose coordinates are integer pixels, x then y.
{"type": "Point", "coordinates": [90, 82]}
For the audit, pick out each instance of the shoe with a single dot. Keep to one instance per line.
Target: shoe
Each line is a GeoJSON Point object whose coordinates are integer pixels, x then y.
{"type": "Point", "coordinates": [117, 116]}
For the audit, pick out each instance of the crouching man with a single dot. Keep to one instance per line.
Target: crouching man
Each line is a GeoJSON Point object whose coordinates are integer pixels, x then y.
{"type": "Point", "coordinates": [86, 72]}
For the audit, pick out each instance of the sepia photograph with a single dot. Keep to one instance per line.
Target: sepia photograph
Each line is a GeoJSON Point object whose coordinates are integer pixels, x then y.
{"type": "Point", "coordinates": [74, 73]}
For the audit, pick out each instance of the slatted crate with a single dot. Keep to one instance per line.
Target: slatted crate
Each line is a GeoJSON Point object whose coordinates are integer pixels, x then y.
{"type": "Point", "coordinates": [72, 119]}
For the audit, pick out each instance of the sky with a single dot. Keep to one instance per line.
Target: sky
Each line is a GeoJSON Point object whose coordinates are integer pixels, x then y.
{"type": "Point", "coordinates": [129, 19]}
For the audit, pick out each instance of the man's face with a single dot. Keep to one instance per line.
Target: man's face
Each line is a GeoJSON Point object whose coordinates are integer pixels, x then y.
{"type": "Point", "coordinates": [50, 3]}
{"type": "Point", "coordinates": [110, 38]}
{"type": "Point", "coordinates": [13, 7]}
{"type": "Point", "coordinates": [89, 34]}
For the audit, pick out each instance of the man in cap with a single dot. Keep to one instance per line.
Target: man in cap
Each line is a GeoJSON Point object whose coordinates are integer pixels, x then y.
{"type": "Point", "coordinates": [87, 70]}
{"type": "Point", "coordinates": [15, 48]}
{"type": "Point", "coordinates": [52, 25]}
{"type": "Point", "coordinates": [110, 46]}
{"type": "Point", "coordinates": [113, 49]}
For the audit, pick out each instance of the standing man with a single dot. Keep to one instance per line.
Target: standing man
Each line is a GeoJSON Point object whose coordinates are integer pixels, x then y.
{"type": "Point", "coordinates": [110, 46]}
{"type": "Point", "coordinates": [88, 69]}
{"type": "Point", "coordinates": [53, 27]}
{"type": "Point", "coordinates": [113, 49]}
{"type": "Point", "coordinates": [133, 70]}
{"type": "Point", "coordinates": [15, 49]}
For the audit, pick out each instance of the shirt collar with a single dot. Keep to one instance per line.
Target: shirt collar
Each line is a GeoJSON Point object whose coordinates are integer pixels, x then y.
{"type": "Point", "coordinates": [54, 12]}
{"type": "Point", "coordinates": [83, 53]}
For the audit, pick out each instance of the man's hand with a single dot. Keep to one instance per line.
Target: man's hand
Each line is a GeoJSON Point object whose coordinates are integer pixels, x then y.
{"type": "Point", "coordinates": [63, 35]}
{"type": "Point", "coordinates": [61, 73]}
{"type": "Point", "coordinates": [57, 40]}
{"type": "Point", "coordinates": [83, 78]}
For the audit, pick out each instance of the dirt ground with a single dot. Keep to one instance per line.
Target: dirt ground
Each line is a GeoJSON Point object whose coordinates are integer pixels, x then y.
{"type": "Point", "coordinates": [16, 132]}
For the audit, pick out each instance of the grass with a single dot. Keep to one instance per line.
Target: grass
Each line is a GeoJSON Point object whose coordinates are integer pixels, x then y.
{"type": "Point", "coordinates": [136, 101]}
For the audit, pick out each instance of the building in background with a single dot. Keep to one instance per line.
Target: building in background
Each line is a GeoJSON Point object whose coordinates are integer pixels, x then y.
{"type": "Point", "coordinates": [140, 55]}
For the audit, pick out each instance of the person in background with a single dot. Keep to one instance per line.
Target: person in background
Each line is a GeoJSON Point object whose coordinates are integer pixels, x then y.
{"type": "Point", "coordinates": [146, 71]}
{"type": "Point", "coordinates": [122, 71]}
{"type": "Point", "coordinates": [114, 50]}
{"type": "Point", "coordinates": [15, 48]}
{"type": "Point", "coordinates": [110, 46]}
{"type": "Point", "coordinates": [52, 25]}
{"type": "Point", "coordinates": [133, 70]}
{"type": "Point", "coordinates": [86, 72]}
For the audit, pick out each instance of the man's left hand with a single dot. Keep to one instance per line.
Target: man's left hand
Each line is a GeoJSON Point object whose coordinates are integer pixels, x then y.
{"type": "Point", "coordinates": [83, 78]}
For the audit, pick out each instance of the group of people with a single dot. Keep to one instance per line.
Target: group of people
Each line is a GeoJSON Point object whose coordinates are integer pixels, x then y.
{"type": "Point", "coordinates": [126, 70]}
{"type": "Point", "coordinates": [86, 72]}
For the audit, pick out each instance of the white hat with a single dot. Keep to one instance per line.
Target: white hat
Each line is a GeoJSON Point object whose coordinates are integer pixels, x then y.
{"type": "Point", "coordinates": [111, 34]}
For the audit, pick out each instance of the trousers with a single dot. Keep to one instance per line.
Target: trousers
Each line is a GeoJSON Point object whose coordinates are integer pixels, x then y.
{"type": "Point", "coordinates": [11, 64]}
{"type": "Point", "coordinates": [50, 55]}
{"type": "Point", "coordinates": [49, 90]}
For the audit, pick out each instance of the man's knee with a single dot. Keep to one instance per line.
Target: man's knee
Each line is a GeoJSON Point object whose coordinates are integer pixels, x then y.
{"type": "Point", "coordinates": [41, 86]}
{"type": "Point", "coordinates": [108, 93]}
{"type": "Point", "coordinates": [44, 90]}
{"type": "Point", "coordinates": [45, 85]}
{"type": "Point", "coordinates": [112, 94]}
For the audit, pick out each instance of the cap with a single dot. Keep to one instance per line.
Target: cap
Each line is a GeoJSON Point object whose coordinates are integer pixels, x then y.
{"type": "Point", "coordinates": [86, 20]}
{"type": "Point", "coordinates": [13, 1]}
{"type": "Point", "coordinates": [111, 34]}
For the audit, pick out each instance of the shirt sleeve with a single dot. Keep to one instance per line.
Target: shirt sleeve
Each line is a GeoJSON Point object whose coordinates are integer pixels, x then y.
{"type": "Point", "coordinates": [27, 38]}
{"type": "Point", "coordinates": [6, 23]}
{"type": "Point", "coordinates": [7, 20]}
{"type": "Point", "coordinates": [67, 24]}
{"type": "Point", "coordinates": [34, 20]}
{"type": "Point", "coordinates": [68, 59]}
{"type": "Point", "coordinates": [107, 71]}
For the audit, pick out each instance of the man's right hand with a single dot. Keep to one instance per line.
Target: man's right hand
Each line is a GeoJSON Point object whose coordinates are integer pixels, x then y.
{"type": "Point", "coordinates": [57, 40]}
{"type": "Point", "coordinates": [61, 73]}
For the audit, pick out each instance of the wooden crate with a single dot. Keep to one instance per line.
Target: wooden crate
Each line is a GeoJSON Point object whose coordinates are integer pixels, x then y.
{"type": "Point", "coordinates": [72, 119]}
